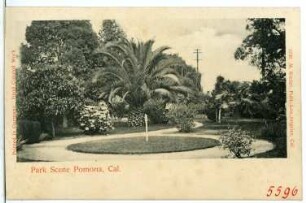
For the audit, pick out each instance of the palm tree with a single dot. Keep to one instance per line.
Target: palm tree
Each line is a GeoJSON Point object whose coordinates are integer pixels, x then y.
{"type": "Point", "coordinates": [137, 73]}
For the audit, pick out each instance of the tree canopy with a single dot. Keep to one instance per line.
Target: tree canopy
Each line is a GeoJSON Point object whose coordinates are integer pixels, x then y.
{"type": "Point", "coordinates": [111, 32]}
{"type": "Point", "coordinates": [55, 61]}
{"type": "Point", "coordinates": [265, 48]}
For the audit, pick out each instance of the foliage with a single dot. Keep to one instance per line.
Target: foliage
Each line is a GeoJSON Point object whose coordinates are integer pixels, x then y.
{"type": "Point", "coordinates": [237, 141]}
{"type": "Point", "coordinates": [188, 74]}
{"type": "Point", "coordinates": [20, 140]}
{"type": "Point", "coordinates": [200, 108]}
{"type": "Point", "coordinates": [183, 116]}
{"type": "Point", "coordinates": [119, 106]}
{"type": "Point", "coordinates": [55, 61]}
{"type": "Point", "coordinates": [57, 94]}
{"type": "Point", "coordinates": [138, 73]}
{"type": "Point", "coordinates": [265, 48]}
{"type": "Point", "coordinates": [136, 118]}
{"type": "Point", "coordinates": [211, 113]}
{"type": "Point", "coordinates": [274, 130]}
{"type": "Point", "coordinates": [221, 97]}
{"type": "Point", "coordinates": [155, 109]}
{"type": "Point", "coordinates": [111, 32]}
{"type": "Point", "coordinates": [28, 130]}
{"type": "Point", "coordinates": [95, 119]}
{"type": "Point", "coordinates": [68, 44]}
{"type": "Point", "coordinates": [19, 143]}
{"type": "Point", "coordinates": [241, 99]}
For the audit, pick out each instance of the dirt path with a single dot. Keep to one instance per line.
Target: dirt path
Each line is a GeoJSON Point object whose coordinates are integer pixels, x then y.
{"type": "Point", "coordinates": [56, 150]}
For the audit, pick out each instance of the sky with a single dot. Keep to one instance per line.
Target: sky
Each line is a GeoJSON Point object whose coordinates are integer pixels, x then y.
{"type": "Point", "coordinates": [216, 38]}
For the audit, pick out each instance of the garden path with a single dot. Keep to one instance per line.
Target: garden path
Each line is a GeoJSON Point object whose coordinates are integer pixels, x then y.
{"type": "Point", "coordinates": [56, 150]}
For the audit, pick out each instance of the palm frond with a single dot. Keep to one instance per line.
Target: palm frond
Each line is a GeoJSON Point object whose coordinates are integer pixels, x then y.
{"type": "Point", "coordinates": [172, 77]}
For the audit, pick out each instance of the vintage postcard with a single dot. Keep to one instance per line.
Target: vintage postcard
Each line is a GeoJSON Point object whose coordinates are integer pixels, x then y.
{"type": "Point", "coordinates": [153, 103]}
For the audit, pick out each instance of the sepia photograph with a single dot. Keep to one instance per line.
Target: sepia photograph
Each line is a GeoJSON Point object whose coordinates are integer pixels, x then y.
{"type": "Point", "coordinates": [153, 103]}
{"type": "Point", "coordinates": [90, 90]}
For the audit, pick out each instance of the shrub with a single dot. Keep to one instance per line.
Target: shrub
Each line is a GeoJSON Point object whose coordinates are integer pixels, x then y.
{"type": "Point", "coordinates": [95, 119]}
{"type": "Point", "coordinates": [119, 106]}
{"type": "Point", "coordinates": [119, 109]}
{"type": "Point", "coordinates": [200, 108]}
{"type": "Point", "coordinates": [136, 118]}
{"type": "Point", "coordinates": [237, 141]}
{"type": "Point", "coordinates": [182, 116]}
{"type": "Point", "coordinates": [211, 114]}
{"type": "Point", "coordinates": [155, 109]}
{"type": "Point", "coordinates": [274, 130]}
{"type": "Point", "coordinates": [28, 130]}
{"type": "Point", "coordinates": [20, 141]}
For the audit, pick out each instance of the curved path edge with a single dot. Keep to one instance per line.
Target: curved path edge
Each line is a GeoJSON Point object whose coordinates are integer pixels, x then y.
{"type": "Point", "coordinates": [56, 150]}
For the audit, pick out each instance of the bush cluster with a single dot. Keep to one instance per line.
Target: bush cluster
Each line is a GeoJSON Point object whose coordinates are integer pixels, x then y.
{"type": "Point", "coordinates": [211, 114]}
{"type": "Point", "coordinates": [28, 130]}
{"type": "Point", "coordinates": [182, 116]}
{"type": "Point", "coordinates": [96, 119]}
{"type": "Point", "coordinates": [273, 131]}
{"type": "Point", "coordinates": [155, 109]}
{"type": "Point", "coordinates": [119, 107]}
{"type": "Point", "coordinates": [200, 107]}
{"type": "Point", "coordinates": [136, 118]}
{"type": "Point", "coordinates": [237, 141]}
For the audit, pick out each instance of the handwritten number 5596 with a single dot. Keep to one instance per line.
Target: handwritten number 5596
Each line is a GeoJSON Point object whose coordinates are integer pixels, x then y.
{"type": "Point", "coordinates": [279, 191]}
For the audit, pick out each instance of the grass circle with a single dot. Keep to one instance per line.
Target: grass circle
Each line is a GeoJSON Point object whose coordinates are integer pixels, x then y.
{"type": "Point", "coordinates": [138, 145]}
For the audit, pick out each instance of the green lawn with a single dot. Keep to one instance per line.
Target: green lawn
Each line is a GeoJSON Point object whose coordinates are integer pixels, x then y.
{"type": "Point", "coordinates": [254, 126]}
{"type": "Point", "coordinates": [138, 145]}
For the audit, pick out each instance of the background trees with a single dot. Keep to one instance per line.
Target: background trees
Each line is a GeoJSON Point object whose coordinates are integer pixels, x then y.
{"type": "Point", "coordinates": [111, 32]}
{"type": "Point", "coordinates": [64, 65]}
{"type": "Point", "coordinates": [265, 48]}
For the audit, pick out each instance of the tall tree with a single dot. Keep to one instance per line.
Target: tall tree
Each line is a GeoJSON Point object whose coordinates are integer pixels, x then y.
{"type": "Point", "coordinates": [188, 75]}
{"type": "Point", "coordinates": [111, 32]}
{"type": "Point", "coordinates": [55, 61]}
{"type": "Point", "coordinates": [67, 44]}
{"type": "Point", "coordinates": [265, 48]}
{"type": "Point", "coordinates": [47, 95]}
{"type": "Point", "coordinates": [221, 97]}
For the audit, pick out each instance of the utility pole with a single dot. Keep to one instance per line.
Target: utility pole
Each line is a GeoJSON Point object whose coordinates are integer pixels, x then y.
{"type": "Point", "coordinates": [197, 52]}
